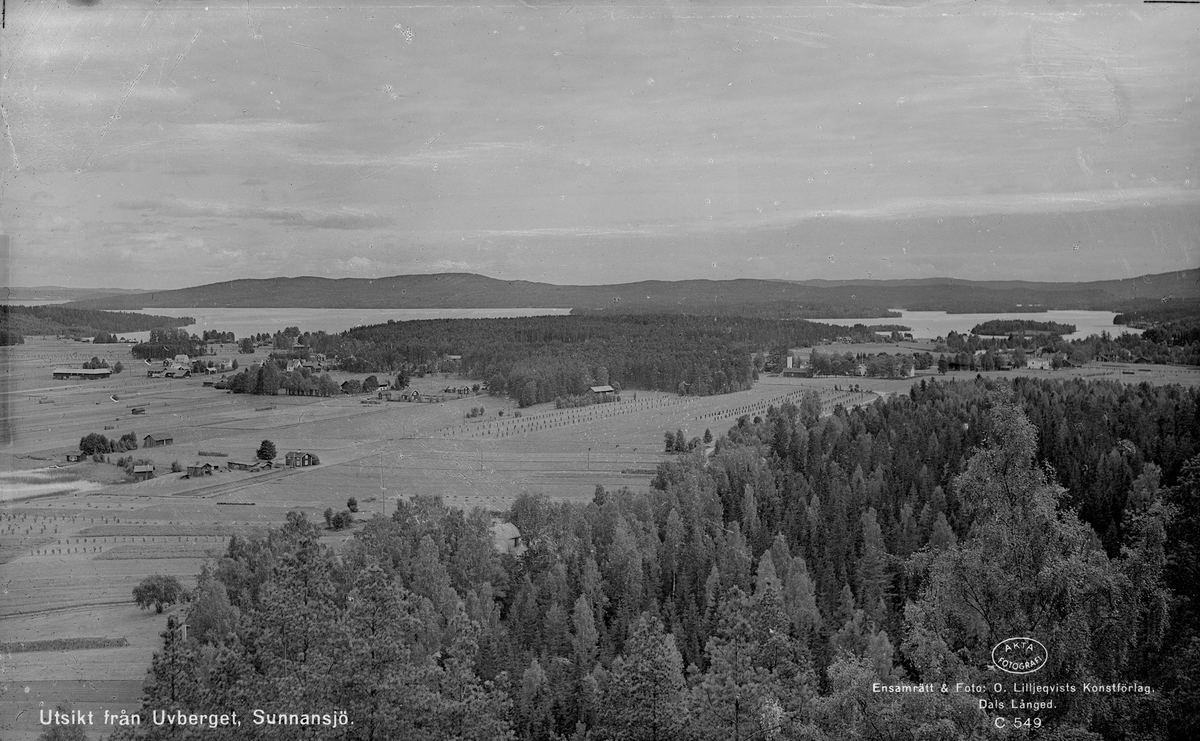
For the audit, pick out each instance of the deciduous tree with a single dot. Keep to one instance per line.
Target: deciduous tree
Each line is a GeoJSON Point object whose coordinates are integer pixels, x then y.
{"type": "Point", "coordinates": [158, 591]}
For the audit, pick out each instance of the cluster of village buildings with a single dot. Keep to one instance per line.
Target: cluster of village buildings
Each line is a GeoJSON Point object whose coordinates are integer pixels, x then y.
{"type": "Point", "coordinates": [141, 472]}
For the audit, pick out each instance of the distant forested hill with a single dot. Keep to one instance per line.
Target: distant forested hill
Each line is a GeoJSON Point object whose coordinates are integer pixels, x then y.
{"type": "Point", "coordinates": [18, 294]}
{"type": "Point", "coordinates": [57, 319]}
{"type": "Point", "coordinates": [810, 299]}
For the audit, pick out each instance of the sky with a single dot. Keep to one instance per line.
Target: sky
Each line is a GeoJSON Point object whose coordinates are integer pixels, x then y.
{"type": "Point", "coordinates": [170, 143]}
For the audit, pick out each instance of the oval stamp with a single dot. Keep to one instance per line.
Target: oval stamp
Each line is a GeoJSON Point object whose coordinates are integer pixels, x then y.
{"type": "Point", "coordinates": [1020, 655]}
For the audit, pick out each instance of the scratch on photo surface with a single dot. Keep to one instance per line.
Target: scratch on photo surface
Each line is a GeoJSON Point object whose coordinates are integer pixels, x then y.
{"type": "Point", "coordinates": [254, 34]}
{"type": "Point", "coordinates": [258, 35]}
{"type": "Point", "coordinates": [28, 34]}
{"type": "Point", "coordinates": [8, 132]}
{"type": "Point", "coordinates": [183, 53]}
{"type": "Point", "coordinates": [96, 36]}
{"type": "Point", "coordinates": [116, 114]}
{"type": "Point", "coordinates": [67, 35]}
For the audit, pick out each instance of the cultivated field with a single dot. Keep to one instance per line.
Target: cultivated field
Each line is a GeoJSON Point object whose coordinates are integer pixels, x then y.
{"type": "Point", "coordinates": [75, 539]}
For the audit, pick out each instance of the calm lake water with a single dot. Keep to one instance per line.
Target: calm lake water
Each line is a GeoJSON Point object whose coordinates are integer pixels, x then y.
{"type": "Point", "coordinates": [929, 324]}
{"type": "Point", "coordinates": [245, 322]}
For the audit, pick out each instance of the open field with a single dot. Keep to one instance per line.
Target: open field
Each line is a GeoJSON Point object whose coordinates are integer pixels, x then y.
{"type": "Point", "coordinates": [69, 559]}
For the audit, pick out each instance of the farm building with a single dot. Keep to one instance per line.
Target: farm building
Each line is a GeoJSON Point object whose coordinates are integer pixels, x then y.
{"type": "Point", "coordinates": [507, 538]}
{"type": "Point", "coordinates": [157, 440]}
{"type": "Point", "coordinates": [796, 367]}
{"type": "Point", "coordinates": [62, 374]}
{"type": "Point", "coordinates": [200, 469]}
{"type": "Point", "coordinates": [74, 457]}
{"type": "Point", "coordinates": [154, 374]}
{"type": "Point", "coordinates": [1037, 363]}
{"type": "Point", "coordinates": [603, 390]}
{"type": "Point", "coordinates": [143, 472]}
{"type": "Point", "coordinates": [297, 459]}
{"type": "Point", "coordinates": [256, 465]}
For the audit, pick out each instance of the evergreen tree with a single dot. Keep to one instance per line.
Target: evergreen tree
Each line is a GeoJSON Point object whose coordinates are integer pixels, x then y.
{"type": "Point", "coordinates": [874, 582]}
{"type": "Point", "coordinates": [172, 684]}
{"type": "Point", "coordinates": [584, 637]}
{"type": "Point", "coordinates": [643, 698]}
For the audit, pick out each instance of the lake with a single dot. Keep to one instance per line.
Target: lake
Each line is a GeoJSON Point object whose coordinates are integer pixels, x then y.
{"type": "Point", "coordinates": [929, 324]}
{"type": "Point", "coordinates": [246, 322]}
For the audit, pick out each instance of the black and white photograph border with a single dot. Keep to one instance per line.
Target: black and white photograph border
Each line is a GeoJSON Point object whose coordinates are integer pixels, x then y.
{"type": "Point", "coordinates": [676, 371]}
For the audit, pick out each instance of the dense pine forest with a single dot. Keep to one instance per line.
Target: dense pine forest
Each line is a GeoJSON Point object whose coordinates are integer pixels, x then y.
{"type": "Point", "coordinates": [165, 342]}
{"type": "Point", "coordinates": [1021, 326]}
{"type": "Point", "coordinates": [537, 359]}
{"type": "Point", "coordinates": [763, 592]}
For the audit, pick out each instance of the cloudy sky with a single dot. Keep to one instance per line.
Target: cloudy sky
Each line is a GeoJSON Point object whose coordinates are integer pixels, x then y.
{"type": "Point", "coordinates": [177, 142]}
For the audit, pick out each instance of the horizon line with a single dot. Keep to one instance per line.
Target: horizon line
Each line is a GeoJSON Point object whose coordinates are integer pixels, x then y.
{"type": "Point", "coordinates": [591, 285]}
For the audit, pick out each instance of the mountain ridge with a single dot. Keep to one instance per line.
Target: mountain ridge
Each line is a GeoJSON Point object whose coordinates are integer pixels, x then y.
{"type": "Point", "coordinates": [470, 290]}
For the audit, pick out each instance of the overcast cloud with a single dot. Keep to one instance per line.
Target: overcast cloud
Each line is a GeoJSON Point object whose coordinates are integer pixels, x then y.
{"type": "Point", "coordinates": [164, 144]}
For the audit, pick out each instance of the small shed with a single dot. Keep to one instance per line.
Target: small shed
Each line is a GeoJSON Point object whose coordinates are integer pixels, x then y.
{"type": "Point", "coordinates": [157, 440]}
{"type": "Point", "coordinates": [74, 457]}
{"type": "Point", "coordinates": [602, 390]}
{"type": "Point", "coordinates": [143, 472]}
